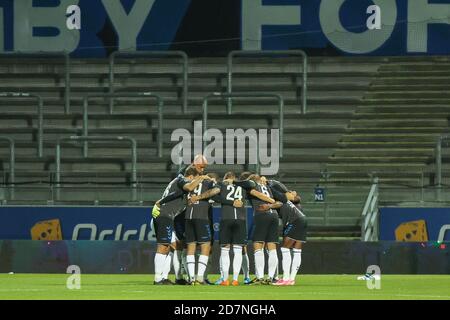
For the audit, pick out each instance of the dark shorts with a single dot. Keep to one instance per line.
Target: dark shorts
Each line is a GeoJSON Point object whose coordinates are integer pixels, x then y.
{"type": "Point", "coordinates": [233, 232]}
{"type": "Point", "coordinates": [163, 229]}
{"type": "Point", "coordinates": [179, 224]}
{"type": "Point", "coordinates": [296, 230]}
{"type": "Point", "coordinates": [265, 228]}
{"type": "Point", "coordinates": [198, 230]}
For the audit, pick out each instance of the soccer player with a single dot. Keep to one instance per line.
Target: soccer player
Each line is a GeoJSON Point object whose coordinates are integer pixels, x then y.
{"type": "Point", "coordinates": [233, 227]}
{"type": "Point", "coordinates": [245, 260]}
{"type": "Point", "coordinates": [179, 250]}
{"type": "Point", "coordinates": [294, 230]}
{"type": "Point", "coordinates": [163, 220]}
{"type": "Point", "coordinates": [215, 179]}
{"type": "Point", "coordinates": [265, 232]}
{"type": "Point", "coordinates": [198, 231]}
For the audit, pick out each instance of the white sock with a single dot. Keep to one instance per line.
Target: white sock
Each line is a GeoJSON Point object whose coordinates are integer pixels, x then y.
{"type": "Point", "coordinates": [296, 262]}
{"type": "Point", "coordinates": [246, 265]}
{"type": "Point", "coordinates": [176, 264]}
{"type": "Point", "coordinates": [184, 268]}
{"type": "Point", "coordinates": [225, 262]}
{"type": "Point", "coordinates": [273, 262]}
{"type": "Point", "coordinates": [237, 262]}
{"type": "Point", "coordinates": [202, 264]}
{"type": "Point", "coordinates": [159, 266]}
{"type": "Point", "coordinates": [167, 265]}
{"type": "Point", "coordinates": [259, 263]}
{"type": "Point", "coordinates": [190, 262]}
{"type": "Point", "coordinates": [220, 266]}
{"type": "Point", "coordinates": [276, 272]}
{"type": "Point", "coordinates": [286, 263]}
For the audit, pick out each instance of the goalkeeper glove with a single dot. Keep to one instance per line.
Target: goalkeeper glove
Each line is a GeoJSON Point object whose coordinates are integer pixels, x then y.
{"type": "Point", "coordinates": [155, 212]}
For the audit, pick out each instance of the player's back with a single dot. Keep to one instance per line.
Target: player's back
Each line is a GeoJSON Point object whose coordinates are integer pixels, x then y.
{"type": "Point", "coordinates": [289, 212]}
{"type": "Point", "coordinates": [232, 192]}
{"type": "Point", "coordinates": [256, 202]}
{"type": "Point", "coordinates": [172, 208]}
{"type": "Point", "coordinates": [199, 209]}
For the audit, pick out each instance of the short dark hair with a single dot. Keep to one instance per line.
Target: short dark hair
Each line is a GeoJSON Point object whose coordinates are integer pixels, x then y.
{"type": "Point", "coordinates": [229, 175]}
{"type": "Point", "coordinates": [254, 177]}
{"type": "Point", "coordinates": [213, 175]}
{"type": "Point", "coordinates": [244, 175]}
{"type": "Point", "coordinates": [191, 171]}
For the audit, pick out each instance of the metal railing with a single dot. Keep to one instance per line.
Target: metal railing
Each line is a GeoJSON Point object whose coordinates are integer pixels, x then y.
{"type": "Point", "coordinates": [180, 54]}
{"type": "Point", "coordinates": [262, 95]}
{"type": "Point", "coordinates": [12, 163]}
{"type": "Point", "coordinates": [40, 135]}
{"type": "Point", "coordinates": [143, 95]}
{"type": "Point", "coordinates": [369, 221]}
{"type": "Point", "coordinates": [255, 53]}
{"type": "Point", "coordinates": [65, 55]}
{"type": "Point", "coordinates": [97, 138]}
{"type": "Point", "coordinates": [438, 172]}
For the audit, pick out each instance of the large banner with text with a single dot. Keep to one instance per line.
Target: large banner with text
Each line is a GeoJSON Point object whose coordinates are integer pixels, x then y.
{"type": "Point", "coordinates": [95, 28]}
{"type": "Point", "coordinates": [83, 223]}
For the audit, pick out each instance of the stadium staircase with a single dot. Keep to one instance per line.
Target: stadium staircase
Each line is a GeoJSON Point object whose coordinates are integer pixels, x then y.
{"type": "Point", "coordinates": [352, 102]}
{"type": "Point", "coordinates": [394, 131]}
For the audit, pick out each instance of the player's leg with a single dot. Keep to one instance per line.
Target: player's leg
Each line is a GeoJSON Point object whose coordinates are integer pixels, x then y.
{"type": "Point", "coordinates": [177, 263]}
{"type": "Point", "coordinates": [272, 261]}
{"type": "Point", "coordinates": [245, 264]}
{"type": "Point", "coordinates": [169, 260]}
{"type": "Point", "coordinates": [258, 248]}
{"type": "Point", "coordinates": [245, 259]}
{"type": "Point", "coordinates": [239, 236]}
{"type": "Point", "coordinates": [275, 277]}
{"type": "Point", "coordinates": [298, 233]}
{"type": "Point", "coordinates": [259, 238]}
{"type": "Point", "coordinates": [225, 264]}
{"type": "Point", "coordinates": [225, 243]}
{"type": "Point", "coordinates": [296, 260]}
{"type": "Point", "coordinates": [184, 268]}
{"type": "Point", "coordinates": [211, 226]}
{"type": "Point", "coordinates": [161, 256]}
{"type": "Point", "coordinates": [286, 261]}
{"type": "Point", "coordinates": [203, 234]}
{"type": "Point", "coordinates": [179, 226]}
{"type": "Point", "coordinates": [163, 229]}
{"type": "Point", "coordinates": [272, 241]}
{"type": "Point", "coordinates": [191, 248]}
{"type": "Point", "coordinates": [203, 261]}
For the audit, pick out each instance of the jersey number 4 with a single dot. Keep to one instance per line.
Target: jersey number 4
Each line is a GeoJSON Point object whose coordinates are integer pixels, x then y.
{"type": "Point", "coordinates": [235, 193]}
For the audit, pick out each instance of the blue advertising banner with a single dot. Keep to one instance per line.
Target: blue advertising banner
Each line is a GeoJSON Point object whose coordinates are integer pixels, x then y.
{"type": "Point", "coordinates": [83, 223]}
{"type": "Point", "coordinates": [95, 28]}
{"type": "Point", "coordinates": [414, 224]}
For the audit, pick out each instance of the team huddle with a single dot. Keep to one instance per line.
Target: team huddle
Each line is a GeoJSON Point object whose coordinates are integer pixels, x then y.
{"type": "Point", "coordinates": [182, 221]}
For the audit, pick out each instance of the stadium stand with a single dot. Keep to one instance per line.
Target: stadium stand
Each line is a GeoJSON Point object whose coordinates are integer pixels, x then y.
{"type": "Point", "coordinates": [365, 115]}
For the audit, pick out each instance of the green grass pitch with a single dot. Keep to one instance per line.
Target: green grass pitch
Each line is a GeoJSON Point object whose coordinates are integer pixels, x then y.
{"type": "Point", "coordinates": [53, 286]}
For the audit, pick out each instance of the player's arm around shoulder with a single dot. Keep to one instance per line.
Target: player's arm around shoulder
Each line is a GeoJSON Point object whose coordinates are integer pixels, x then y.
{"type": "Point", "coordinates": [261, 196]}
